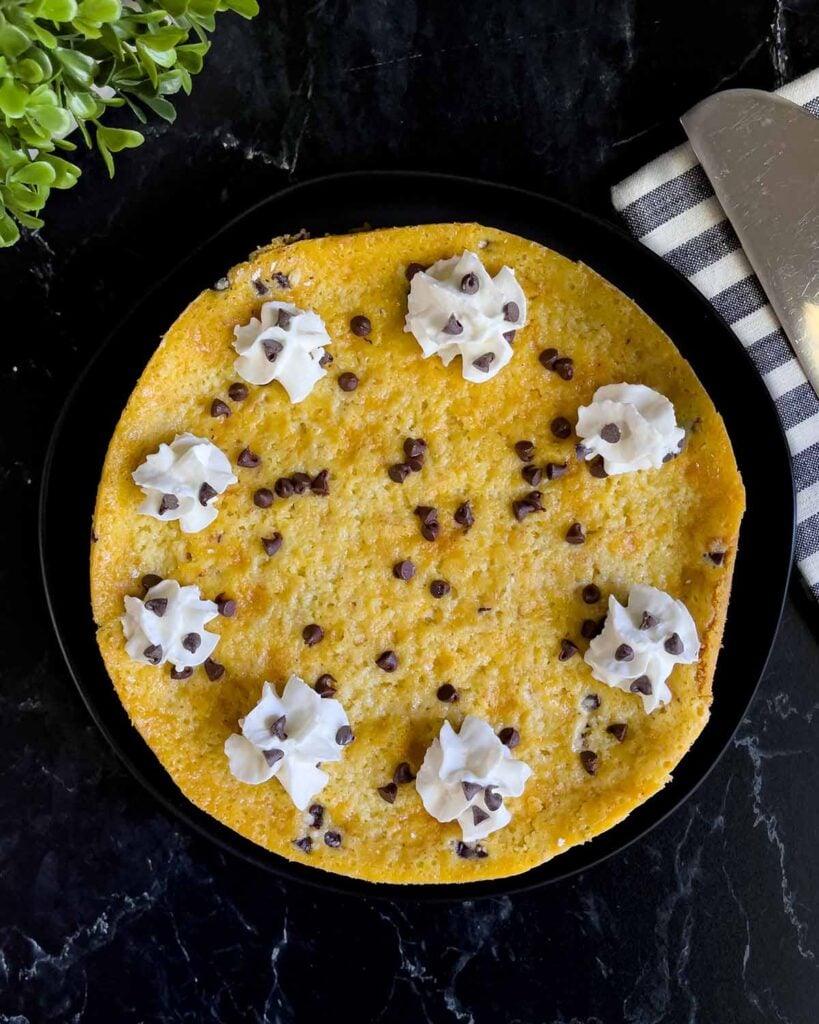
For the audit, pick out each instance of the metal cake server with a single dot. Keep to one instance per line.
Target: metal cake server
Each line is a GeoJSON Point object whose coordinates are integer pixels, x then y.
{"type": "Point", "coordinates": [761, 154]}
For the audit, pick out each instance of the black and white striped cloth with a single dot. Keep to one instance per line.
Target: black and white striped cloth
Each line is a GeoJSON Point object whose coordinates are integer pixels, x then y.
{"type": "Point", "coordinates": [670, 207]}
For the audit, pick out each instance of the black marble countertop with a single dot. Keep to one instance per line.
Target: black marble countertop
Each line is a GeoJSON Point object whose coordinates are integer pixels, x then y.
{"type": "Point", "coordinates": [109, 909]}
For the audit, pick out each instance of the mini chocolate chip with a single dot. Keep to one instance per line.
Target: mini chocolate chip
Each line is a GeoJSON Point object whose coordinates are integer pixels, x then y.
{"type": "Point", "coordinates": [478, 814]}
{"type": "Point", "coordinates": [348, 382]}
{"type": "Point", "coordinates": [238, 392]}
{"type": "Point", "coordinates": [283, 319]}
{"type": "Point", "coordinates": [533, 475]}
{"type": "Point", "coordinates": [206, 492]}
{"type": "Point", "coordinates": [332, 839]}
{"type": "Point", "coordinates": [192, 642]}
{"type": "Point", "coordinates": [284, 487]}
{"type": "Point", "coordinates": [168, 503]}
{"type": "Point", "coordinates": [325, 360]}
{"type": "Point", "coordinates": [525, 450]}
{"type": "Point", "coordinates": [618, 730]}
{"type": "Point", "coordinates": [416, 463]}
{"type": "Point", "coordinates": [464, 515]}
{"type": "Point", "coordinates": [388, 792]}
{"type": "Point", "coordinates": [453, 325]}
{"type": "Point", "coordinates": [272, 349]}
{"type": "Point", "coordinates": [447, 693]}
{"type": "Point", "coordinates": [248, 459]}
{"type": "Point", "coordinates": [213, 669]}
{"type": "Point", "coordinates": [547, 358]}
{"type": "Point", "coordinates": [316, 812]}
{"type": "Point", "coordinates": [670, 456]}
{"type": "Point", "coordinates": [581, 451]}
{"type": "Point", "coordinates": [567, 650]}
{"type": "Point", "coordinates": [431, 531]}
{"type": "Point", "coordinates": [320, 483]}
{"type": "Point", "coordinates": [149, 580]}
{"type": "Point", "coordinates": [624, 653]}
{"type": "Point", "coordinates": [647, 621]}
{"type": "Point", "coordinates": [278, 727]}
{"type": "Point", "coordinates": [509, 336]}
{"type": "Point", "coordinates": [642, 684]}
{"type": "Point", "coordinates": [554, 470]}
{"type": "Point", "coordinates": [403, 774]}
{"type": "Point", "coordinates": [521, 508]}
{"type": "Point", "coordinates": [360, 326]}
{"type": "Point", "coordinates": [181, 673]}
{"type": "Point", "coordinates": [426, 514]}
{"type": "Point", "coordinates": [470, 284]}
{"type": "Point", "coordinates": [439, 588]}
{"type": "Point", "coordinates": [483, 362]}
{"type": "Point", "coordinates": [312, 634]}
{"type": "Point", "coordinates": [157, 605]}
{"type": "Point", "coordinates": [610, 433]}
{"type": "Point", "coordinates": [344, 736]}
{"type": "Point", "coordinates": [561, 427]}
{"type": "Point", "coordinates": [492, 798]}
{"type": "Point", "coordinates": [591, 593]}
{"type": "Point", "coordinates": [590, 761]}
{"type": "Point", "coordinates": [387, 660]}
{"type": "Point", "coordinates": [260, 287]}
{"type": "Point", "coordinates": [717, 557]}
{"type": "Point", "coordinates": [484, 608]}
{"type": "Point", "coordinates": [413, 269]}
{"type": "Point", "coordinates": [399, 472]}
{"type": "Point", "coordinates": [226, 606]}
{"type": "Point", "coordinates": [576, 534]}
{"type": "Point", "coordinates": [263, 497]}
{"type": "Point", "coordinates": [415, 446]}
{"type": "Point", "coordinates": [590, 702]}
{"type": "Point", "coordinates": [471, 789]}
{"type": "Point", "coordinates": [535, 498]}
{"type": "Point", "coordinates": [674, 644]}
{"type": "Point", "coordinates": [273, 756]}
{"type": "Point", "coordinates": [597, 467]}
{"type": "Point", "coordinates": [305, 844]}
{"type": "Point", "coordinates": [511, 312]}
{"type": "Point", "coordinates": [564, 368]}
{"type": "Point", "coordinates": [509, 737]}
{"type": "Point", "coordinates": [282, 280]}
{"type": "Point", "coordinates": [468, 852]}
{"type": "Point", "coordinates": [591, 628]}
{"type": "Point", "coordinates": [219, 408]}
{"type": "Point", "coordinates": [324, 685]}
{"type": "Point", "coordinates": [272, 544]}
{"type": "Point", "coordinates": [403, 570]}
{"type": "Point", "coordinates": [300, 482]}
{"type": "Point", "coordinates": [153, 654]}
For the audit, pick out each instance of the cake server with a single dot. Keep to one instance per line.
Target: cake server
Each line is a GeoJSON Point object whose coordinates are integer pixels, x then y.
{"type": "Point", "coordinates": [761, 154]}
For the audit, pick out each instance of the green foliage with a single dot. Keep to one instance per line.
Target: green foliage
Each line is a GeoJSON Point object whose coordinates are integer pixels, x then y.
{"type": "Point", "coordinates": [65, 63]}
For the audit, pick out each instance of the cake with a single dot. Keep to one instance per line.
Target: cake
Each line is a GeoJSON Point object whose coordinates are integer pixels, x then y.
{"type": "Point", "coordinates": [413, 550]}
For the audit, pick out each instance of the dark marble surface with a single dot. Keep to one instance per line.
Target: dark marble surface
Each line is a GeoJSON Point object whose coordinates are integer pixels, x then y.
{"type": "Point", "coordinates": [109, 910]}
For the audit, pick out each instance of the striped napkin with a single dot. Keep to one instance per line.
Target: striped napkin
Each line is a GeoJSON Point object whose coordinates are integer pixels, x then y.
{"type": "Point", "coordinates": [670, 207]}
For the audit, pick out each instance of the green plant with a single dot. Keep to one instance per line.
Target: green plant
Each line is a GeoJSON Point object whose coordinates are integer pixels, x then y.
{"type": "Point", "coordinates": [65, 63]}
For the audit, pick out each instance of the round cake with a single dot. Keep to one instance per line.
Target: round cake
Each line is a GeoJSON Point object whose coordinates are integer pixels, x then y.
{"type": "Point", "coordinates": [412, 553]}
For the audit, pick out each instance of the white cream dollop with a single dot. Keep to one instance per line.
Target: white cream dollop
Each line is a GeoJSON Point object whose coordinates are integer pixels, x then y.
{"type": "Point", "coordinates": [287, 737]}
{"type": "Point", "coordinates": [450, 317]}
{"type": "Point", "coordinates": [631, 426]}
{"type": "Point", "coordinates": [659, 632]}
{"type": "Point", "coordinates": [286, 344]}
{"type": "Point", "coordinates": [465, 773]}
{"type": "Point", "coordinates": [177, 481]}
{"type": "Point", "coordinates": [168, 624]}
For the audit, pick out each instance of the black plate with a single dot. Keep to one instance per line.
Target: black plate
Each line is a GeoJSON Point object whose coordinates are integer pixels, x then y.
{"type": "Point", "coordinates": [336, 204]}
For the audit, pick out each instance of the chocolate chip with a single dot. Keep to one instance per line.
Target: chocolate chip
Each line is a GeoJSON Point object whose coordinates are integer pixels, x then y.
{"type": "Point", "coordinates": [521, 508]}
{"type": "Point", "coordinates": [483, 362]}
{"type": "Point", "coordinates": [576, 534]}
{"type": "Point", "coordinates": [332, 839]}
{"type": "Point", "coordinates": [597, 467]}
{"type": "Point", "coordinates": [674, 644]}
{"type": "Point", "coordinates": [670, 456]}
{"type": "Point", "coordinates": [263, 497]}
{"type": "Point", "coordinates": [273, 756]}
{"type": "Point", "coordinates": [348, 382]}
{"type": "Point", "coordinates": [624, 653]}
{"type": "Point", "coordinates": [547, 358]}
{"type": "Point", "coordinates": [647, 621]}
{"type": "Point", "coordinates": [469, 852]}
{"type": "Point", "coordinates": [561, 427]}
{"type": "Point", "coordinates": [325, 360]}
{"type": "Point", "coordinates": [150, 580]}
{"type": "Point", "coordinates": [272, 544]}
{"type": "Point", "coordinates": [717, 557]}
{"type": "Point", "coordinates": [282, 280]}
{"type": "Point", "coordinates": [168, 503]}
{"type": "Point", "coordinates": [324, 685]}
{"type": "Point", "coordinates": [260, 287]}
{"type": "Point", "coordinates": [554, 470]}
{"type": "Point", "coordinates": [283, 319]}
{"type": "Point", "coordinates": [226, 606]}
{"type": "Point", "coordinates": [305, 844]}
{"type": "Point", "coordinates": [479, 815]}
{"type": "Point", "coordinates": [492, 798]}
{"type": "Point", "coordinates": [439, 588]}
{"type": "Point", "coordinates": [284, 487]}
{"type": "Point", "coordinates": [431, 531]}
{"type": "Point", "coordinates": [399, 472]}
{"type": "Point", "coordinates": [248, 459]}
{"type": "Point", "coordinates": [564, 368]}
{"type": "Point", "coordinates": [312, 634]}
{"type": "Point", "coordinates": [509, 336]}
{"type": "Point", "coordinates": [413, 269]}
{"type": "Point", "coordinates": [219, 408]}
{"type": "Point", "coordinates": [430, 527]}
{"type": "Point", "coordinates": [344, 736]}
{"type": "Point", "coordinates": [206, 492]}
{"type": "Point", "coordinates": [470, 284]}
{"type": "Point", "coordinates": [300, 482]}
{"type": "Point", "coordinates": [416, 463]}
{"type": "Point", "coordinates": [238, 392]}
{"type": "Point", "coordinates": [511, 312]}
{"type": "Point", "coordinates": [181, 673]}
{"type": "Point", "coordinates": [316, 812]}
{"type": "Point", "coordinates": [591, 593]}
{"type": "Point", "coordinates": [403, 774]}
{"type": "Point", "coordinates": [153, 654]}
{"type": "Point", "coordinates": [447, 693]}
{"type": "Point", "coordinates": [157, 605]}
{"type": "Point", "coordinates": [590, 761]}
{"type": "Point", "coordinates": [567, 650]}
{"type": "Point", "coordinates": [360, 326]}
{"type": "Point", "coordinates": [509, 737]}
{"type": "Point", "coordinates": [524, 450]}
{"type": "Point", "coordinates": [387, 660]}
{"type": "Point", "coordinates": [272, 349]}
{"type": "Point", "coordinates": [192, 642]}
{"type": "Point", "coordinates": [535, 498]}
{"type": "Point", "coordinates": [388, 792]}
{"type": "Point", "coordinates": [592, 628]}
{"type": "Point", "coordinates": [320, 483]}
{"type": "Point", "coordinates": [464, 516]}
{"type": "Point", "coordinates": [403, 570]}
{"type": "Point", "coordinates": [533, 475]}
{"type": "Point", "coordinates": [277, 727]}
{"type": "Point", "coordinates": [610, 433]}
{"type": "Point", "coordinates": [590, 702]}
{"type": "Point", "coordinates": [642, 684]}
{"type": "Point", "coordinates": [213, 670]}
{"type": "Point", "coordinates": [484, 608]}
{"type": "Point", "coordinates": [618, 730]}
{"type": "Point", "coordinates": [453, 325]}
{"type": "Point", "coordinates": [414, 447]}
{"type": "Point", "coordinates": [471, 789]}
